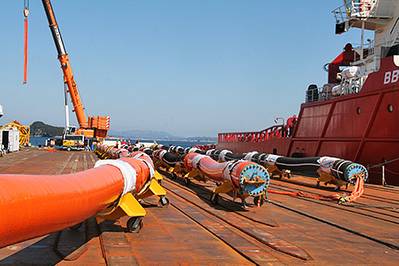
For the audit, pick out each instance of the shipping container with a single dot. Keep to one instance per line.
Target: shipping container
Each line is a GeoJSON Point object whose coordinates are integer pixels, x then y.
{"type": "Point", "coordinates": [10, 139]}
{"type": "Point", "coordinates": [14, 140]}
{"type": "Point", "coordinates": [2, 148]}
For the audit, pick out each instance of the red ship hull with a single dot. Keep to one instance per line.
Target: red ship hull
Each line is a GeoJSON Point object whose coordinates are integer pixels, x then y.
{"type": "Point", "coordinates": [361, 127]}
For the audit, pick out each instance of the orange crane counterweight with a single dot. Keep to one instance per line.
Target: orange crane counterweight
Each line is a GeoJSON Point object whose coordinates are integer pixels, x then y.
{"type": "Point", "coordinates": [93, 126]}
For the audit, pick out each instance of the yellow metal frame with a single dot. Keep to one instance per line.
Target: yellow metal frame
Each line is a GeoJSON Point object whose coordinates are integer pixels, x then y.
{"type": "Point", "coordinates": [327, 178]}
{"type": "Point", "coordinates": [226, 187]}
{"type": "Point", "coordinates": [104, 155]}
{"type": "Point", "coordinates": [196, 174]}
{"type": "Point", "coordinates": [127, 205]}
{"type": "Point", "coordinates": [273, 170]}
{"type": "Point", "coordinates": [151, 189]}
{"type": "Point", "coordinates": [158, 176]}
{"type": "Point", "coordinates": [179, 170]}
{"type": "Point", "coordinates": [171, 170]}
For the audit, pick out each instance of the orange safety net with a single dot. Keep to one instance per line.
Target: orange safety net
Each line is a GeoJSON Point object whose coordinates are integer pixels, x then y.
{"type": "Point", "coordinates": [341, 198]}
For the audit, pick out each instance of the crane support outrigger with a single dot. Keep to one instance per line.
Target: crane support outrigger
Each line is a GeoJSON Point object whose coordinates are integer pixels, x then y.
{"type": "Point", "coordinates": [95, 126]}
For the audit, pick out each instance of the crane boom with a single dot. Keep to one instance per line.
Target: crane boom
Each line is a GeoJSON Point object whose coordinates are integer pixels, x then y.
{"type": "Point", "coordinates": [93, 126]}
{"type": "Point", "coordinates": [65, 65]}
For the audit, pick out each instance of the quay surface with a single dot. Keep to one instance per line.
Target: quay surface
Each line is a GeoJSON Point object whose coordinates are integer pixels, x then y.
{"type": "Point", "coordinates": [286, 230]}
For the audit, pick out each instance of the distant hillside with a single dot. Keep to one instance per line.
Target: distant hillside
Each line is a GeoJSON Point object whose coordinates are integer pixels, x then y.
{"type": "Point", "coordinates": [202, 139]}
{"type": "Point", "coordinates": [157, 135]}
{"type": "Point", "coordinates": [39, 128]}
{"type": "Point", "coordinates": [142, 134]}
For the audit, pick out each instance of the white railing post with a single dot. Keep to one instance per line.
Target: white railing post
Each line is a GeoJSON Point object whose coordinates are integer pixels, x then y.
{"type": "Point", "coordinates": [383, 175]}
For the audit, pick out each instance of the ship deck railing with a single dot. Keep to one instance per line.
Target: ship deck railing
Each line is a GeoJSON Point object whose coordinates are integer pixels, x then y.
{"type": "Point", "coordinates": [274, 132]}
{"type": "Point", "coordinates": [353, 10]}
{"type": "Point", "coordinates": [324, 94]}
{"type": "Point", "coordinates": [341, 13]}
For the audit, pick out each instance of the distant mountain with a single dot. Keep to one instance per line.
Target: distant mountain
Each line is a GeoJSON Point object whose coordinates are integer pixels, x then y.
{"type": "Point", "coordinates": [142, 134]}
{"type": "Point", "coordinates": [202, 139]}
{"type": "Point", "coordinates": [39, 128]}
{"type": "Point", "coordinates": [158, 135]}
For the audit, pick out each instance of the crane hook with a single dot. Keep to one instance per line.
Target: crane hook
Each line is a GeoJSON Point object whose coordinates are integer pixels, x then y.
{"type": "Point", "coordinates": [26, 14]}
{"type": "Point", "coordinates": [26, 8]}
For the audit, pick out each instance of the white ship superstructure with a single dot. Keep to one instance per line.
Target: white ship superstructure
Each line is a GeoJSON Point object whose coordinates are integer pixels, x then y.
{"type": "Point", "coordinates": [379, 16]}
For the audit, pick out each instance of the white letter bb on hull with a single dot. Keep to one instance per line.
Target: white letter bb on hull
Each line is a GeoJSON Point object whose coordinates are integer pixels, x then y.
{"type": "Point", "coordinates": [391, 77]}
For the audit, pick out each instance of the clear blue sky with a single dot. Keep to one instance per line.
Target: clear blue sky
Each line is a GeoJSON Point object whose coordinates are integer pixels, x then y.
{"type": "Point", "coordinates": [188, 67]}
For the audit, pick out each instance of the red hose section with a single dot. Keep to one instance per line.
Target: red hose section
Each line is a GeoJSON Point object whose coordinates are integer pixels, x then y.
{"type": "Point", "coordinates": [112, 152]}
{"type": "Point", "coordinates": [116, 153]}
{"type": "Point", "coordinates": [213, 169]}
{"type": "Point", "coordinates": [156, 154]}
{"type": "Point", "coordinates": [25, 51]}
{"type": "Point", "coordinates": [236, 172]}
{"type": "Point", "coordinates": [35, 205]}
{"type": "Point", "coordinates": [141, 155]}
{"type": "Point", "coordinates": [124, 153]}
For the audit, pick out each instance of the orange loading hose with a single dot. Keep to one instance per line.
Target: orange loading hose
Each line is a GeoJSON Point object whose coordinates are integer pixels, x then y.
{"type": "Point", "coordinates": [35, 205]}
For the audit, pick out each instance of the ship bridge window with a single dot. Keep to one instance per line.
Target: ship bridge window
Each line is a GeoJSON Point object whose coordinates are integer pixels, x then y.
{"type": "Point", "coordinates": [390, 108]}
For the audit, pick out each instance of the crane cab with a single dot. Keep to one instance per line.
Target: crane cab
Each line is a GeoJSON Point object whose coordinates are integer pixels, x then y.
{"type": "Point", "coordinates": [73, 142]}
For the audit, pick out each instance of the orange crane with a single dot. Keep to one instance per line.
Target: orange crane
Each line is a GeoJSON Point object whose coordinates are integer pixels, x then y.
{"type": "Point", "coordinates": [93, 126]}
